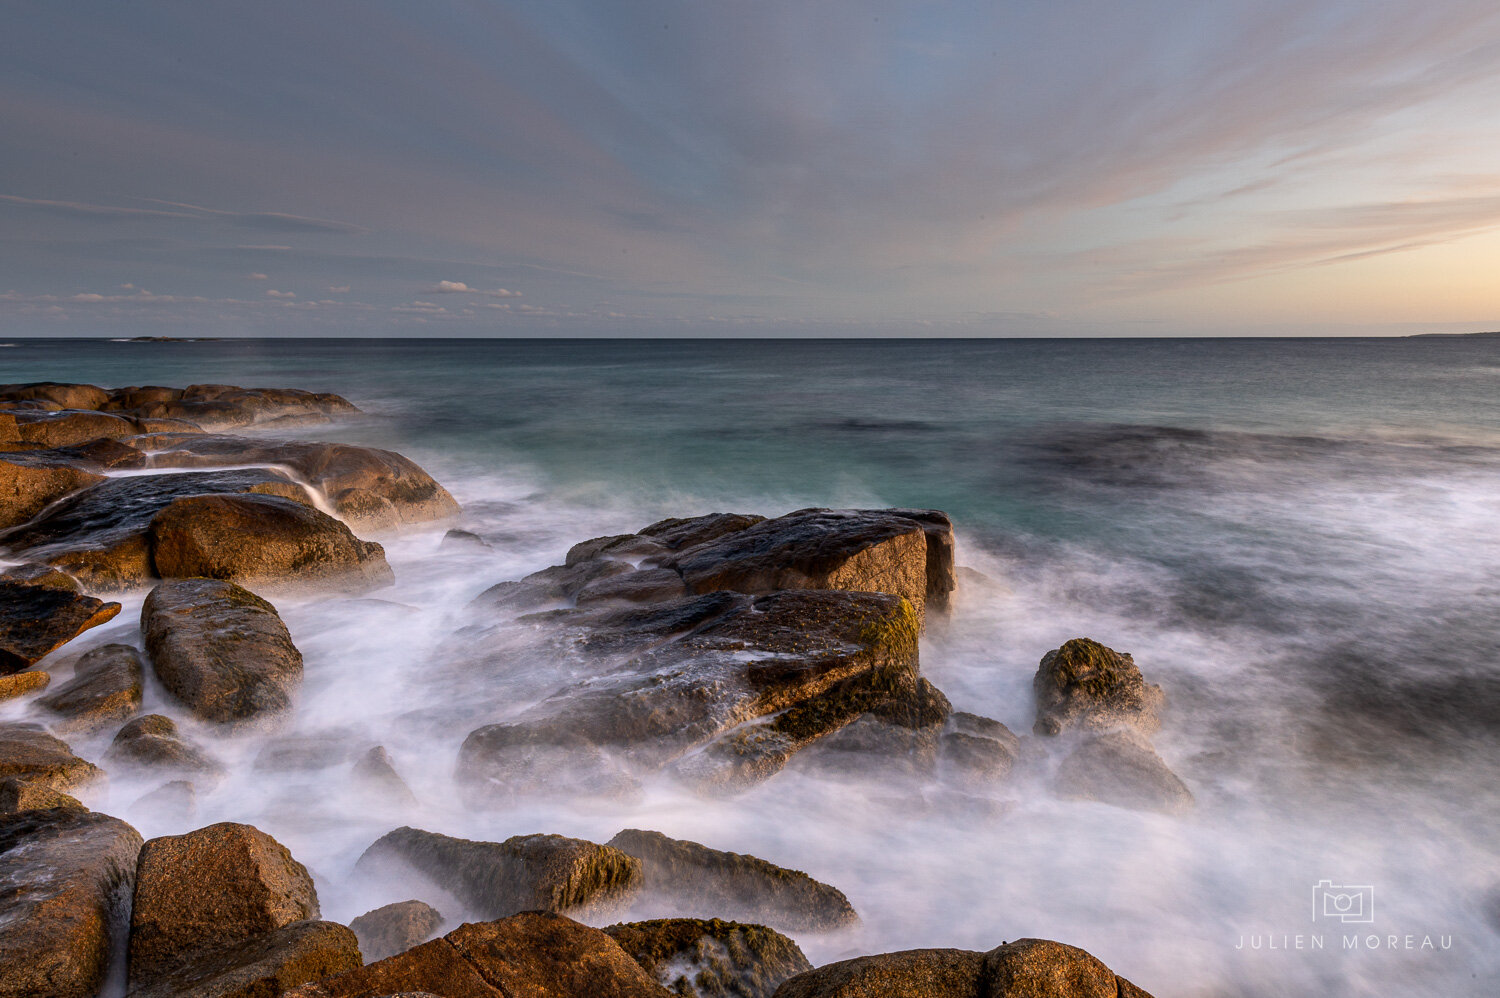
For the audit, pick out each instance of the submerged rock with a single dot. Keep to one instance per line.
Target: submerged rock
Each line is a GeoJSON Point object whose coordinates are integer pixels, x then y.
{"type": "Point", "coordinates": [65, 878]}
{"type": "Point", "coordinates": [106, 688]}
{"type": "Point", "coordinates": [395, 928]}
{"type": "Point", "coordinates": [175, 801]}
{"type": "Point", "coordinates": [1121, 768]}
{"type": "Point", "coordinates": [977, 750]}
{"type": "Point", "coordinates": [376, 775]}
{"type": "Point", "coordinates": [535, 953]}
{"type": "Point", "coordinates": [220, 649]}
{"type": "Point", "coordinates": [200, 893]}
{"type": "Point", "coordinates": [1086, 684]}
{"type": "Point", "coordinates": [739, 887]}
{"type": "Point", "coordinates": [711, 958]}
{"type": "Point", "coordinates": [267, 540]}
{"type": "Point", "coordinates": [153, 742]}
{"type": "Point", "coordinates": [30, 753]}
{"type": "Point", "coordinates": [36, 620]}
{"type": "Point", "coordinates": [523, 873]}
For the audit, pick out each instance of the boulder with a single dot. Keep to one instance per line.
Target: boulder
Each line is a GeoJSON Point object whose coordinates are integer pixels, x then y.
{"type": "Point", "coordinates": [228, 406]}
{"type": "Point", "coordinates": [648, 585]}
{"type": "Point", "coordinates": [220, 649]}
{"type": "Point", "coordinates": [17, 795]}
{"type": "Point", "coordinates": [27, 488]}
{"type": "Point", "coordinates": [200, 893]}
{"type": "Point", "coordinates": [395, 928]}
{"type": "Point", "coordinates": [1121, 768]}
{"type": "Point", "coordinates": [676, 533]}
{"type": "Point", "coordinates": [70, 427]}
{"type": "Point", "coordinates": [35, 620]}
{"type": "Point", "coordinates": [67, 396]}
{"type": "Point", "coordinates": [465, 540]}
{"type": "Point", "coordinates": [263, 540]}
{"type": "Point", "coordinates": [376, 775]}
{"type": "Point", "coordinates": [671, 677]}
{"type": "Point", "coordinates": [153, 742]}
{"type": "Point", "coordinates": [700, 880]}
{"type": "Point", "coordinates": [1026, 968]}
{"type": "Point", "coordinates": [19, 684]}
{"type": "Point", "coordinates": [1085, 684]}
{"type": "Point", "coordinates": [106, 688]}
{"type": "Point", "coordinates": [531, 954]}
{"type": "Point", "coordinates": [550, 586]}
{"type": "Point", "coordinates": [977, 750]}
{"type": "Point", "coordinates": [263, 965]}
{"type": "Point", "coordinates": [711, 958]}
{"type": "Point", "coordinates": [884, 551]}
{"type": "Point", "coordinates": [30, 753]}
{"type": "Point", "coordinates": [65, 876]}
{"type": "Point", "coordinates": [523, 873]}
{"type": "Point", "coordinates": [41, 575]}
{"type": "Point", "coordinates": [102, 534]}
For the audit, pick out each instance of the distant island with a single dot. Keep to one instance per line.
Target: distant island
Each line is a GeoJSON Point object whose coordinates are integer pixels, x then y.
{"type": "Point", "coordinates": [166, 339]}
{"type": "Point", "coordinates": [1450, 335]}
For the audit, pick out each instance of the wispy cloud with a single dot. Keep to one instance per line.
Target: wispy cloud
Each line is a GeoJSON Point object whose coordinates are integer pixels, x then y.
{"type": "Point", "coordinates": [460, 288]}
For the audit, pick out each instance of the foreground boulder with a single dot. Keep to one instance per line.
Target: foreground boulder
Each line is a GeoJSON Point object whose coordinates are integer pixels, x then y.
{"type": "Point", "coordinates": [200, 893]}
{"type": "Point", "coordinates": [525, 872]}
{"type": "Point", "coordinates": [262, 965]}
{"type": "Point", "coordinates": [699, 880]}
{"type": "Point", "coordinates": [395, 928]}
{"type": "Point", "coordinates": [690, 956]}
{"type": "Point", "coordinates": [65, 877]}
{"type": "Point", "coordinates": [106, 688]}
{"type": "Point", "coordinates": [1085, 684]}
{"type": "Point", "coordinates": [220, 649]}
{"type": "Point", "coordinates": [675, 676]}
{"type": "Point", "coordinates": [17, 795]}
{"type": "Point", "coordinates": [28, 752]}
{"type": "Point", "coordinates": [1121, 768]}
{"type": "Point", "coordinates": [35, 620]}
{"type": "Point", "coordinates": [1026, 968]}
{"type": "Point", "coordinates": [532, 954]}
{"type": "Point", "coordinates": [260, 539]}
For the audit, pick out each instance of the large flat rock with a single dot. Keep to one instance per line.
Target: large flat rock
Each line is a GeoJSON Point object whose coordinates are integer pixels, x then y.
{"type": "Point", "coordinates": [65, 877]}
{"type": "Point", "coordinates": [220, 649]}
{"type": "Point", "coordinates": [37, 620]}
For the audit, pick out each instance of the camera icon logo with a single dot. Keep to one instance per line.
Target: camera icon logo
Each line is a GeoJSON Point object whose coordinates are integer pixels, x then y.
{"type": "Point", "coordinates": [1333, 903]}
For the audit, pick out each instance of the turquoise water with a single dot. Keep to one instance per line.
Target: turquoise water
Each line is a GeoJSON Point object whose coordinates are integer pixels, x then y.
{"type": "Point", "coordinates": [1296, 538]}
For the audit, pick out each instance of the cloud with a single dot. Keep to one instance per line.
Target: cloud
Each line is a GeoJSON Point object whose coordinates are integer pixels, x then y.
{"type": "Point", "coordinates": [272, 293]}
{"type": "Point", "coordinates": [258, 277]}
{"type": "Point", "coordinates": [460, 288]}
{"type": "Point", "coordinates": [339, 289]}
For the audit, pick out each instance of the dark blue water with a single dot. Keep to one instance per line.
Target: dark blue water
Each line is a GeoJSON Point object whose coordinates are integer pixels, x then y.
{"type": "Point", "coordinates": [1297, 538]}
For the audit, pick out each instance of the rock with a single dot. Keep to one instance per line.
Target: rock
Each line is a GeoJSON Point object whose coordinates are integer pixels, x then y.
{"type": "Point", "coordinates": [739, 887]}
{"type": "Point", "coordinates": [176, 801]}
{"type": "Point", "coordinates": [523, 873]}
{"type": "Point", "coordinates": [210, 889]}
{"type": "Point", "coordinates": [21, 683]}
{"type": "Point", "coordinates": [305, 753]}
{"type": "Point", "coordinates": [917, 973]}
{"type": "Point", "coordinates": [1086, 684]}
{"type": "Point", "coordinates": [371, 489]}
{"type": "Point", "coordinates": [1121, 768]}
{"type": "Point", "coordinates": [264, 540]}
{"type": "Point", "coordinates": [42, 575]}
{"type": "Point", "coordinates": [537, 954]}
{"type": "Point", "coordinates": [650, 585]}
{"type": "Point", "coordinates": [153, 742]}
{"type": "Point", "coordinates": [226, 406]}
{"type": "Point", "coordinates": [676, 534]}
{"type": "Point", "coordinates": [395, 928]}
{"type": "Point", "coordinates": [671, 677]}
{"type": "Point", "coordinates": [35, 620]}
{"type": "Point", "coordinates": [220, 649]}
{"type": "Point", "coordinates": [106, 688]}
{"type": "Point", "coordinates": [68, 396]}
{"type": "Point", "coordinates": [262, 965]}
{"type": "Point", "coordinates": [1026, 968]}
{"type": "Point", "coordinates": [101, 535]}
{"type": "Point", "coordinates": [65, 877]}
{"type": "Point", "coordinates": [465, 539]}
{"type": "Point", "coordinates": [977, 750]}
{"type": "Point", "coordinates": [856, 550]}
{"type": "Point", "coordinates": [70, 427]}
{"type": "Point", "coordinates": [30, 753]}
{"type": "Point", "coordinates": [631, 548]}
{"type": "Point", "coordinates": [26, 488]}
{"type": "Point", "coordinates": [96, 456]}
{"type": "Point", "coordinates": [550, 586]}
{"type": "Point", "coordinates": [711, 959]}
{"type": "Point", "coordinates": [17, 795]}
{"type": "Point", "coordinates": [376, 775]}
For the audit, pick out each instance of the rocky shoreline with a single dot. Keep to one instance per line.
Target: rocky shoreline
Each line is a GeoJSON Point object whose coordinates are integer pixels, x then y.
{"type": "Point", "coordinates": [713, 651]}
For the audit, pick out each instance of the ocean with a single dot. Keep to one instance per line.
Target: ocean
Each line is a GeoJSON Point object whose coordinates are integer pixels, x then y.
{"type": "Point", "coordinates": [1296, 538]}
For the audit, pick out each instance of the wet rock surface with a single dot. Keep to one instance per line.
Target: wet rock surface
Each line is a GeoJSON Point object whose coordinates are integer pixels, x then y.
{"type": "Point", "coordinates": [65, 878]}
{"type": "Point", "coordinates": [36, 620]}
{"type": "Point", "coordinates": [703, 881]}
{"type": "Point", "coordinates": [395, 928]}
{"type": "Point", "coordinates": [261, 965]}
{"type": "Point", "coordinates": [17, 795]}
{"type": "Point", "coordinates": [1085, 684]}
{"type": "Point", "coordinates": [153, 742]}
{"type": "Point", "coordinates": [523, 873]}
{"type": "Point", "coordinates": [711, 958]}
{"type": "Point", "coordinates": [20, 684]}
{"type": "Point", "coordinates": [29, 752]}
{"type": "Point", "coordinates": [220, 649]}
{"type": "Point", "coordinates": [200, 893]}
{"type": "Point", "coordinates": [106, 689]}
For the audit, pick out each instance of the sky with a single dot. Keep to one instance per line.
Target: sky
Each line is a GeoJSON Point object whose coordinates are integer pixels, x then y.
{"type": "Point", "coordinates": [749, 167]}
